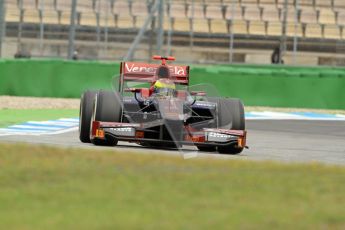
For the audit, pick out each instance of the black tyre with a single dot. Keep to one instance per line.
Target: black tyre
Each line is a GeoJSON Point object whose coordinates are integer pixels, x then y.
{"type": "Point", "coordinates": [206, 148]}
{"type": "Point", "coordinates": [231, 149]}
{"type": "Point", "coordinates": [108, 108]}
{"type": "Point", "coordinates": [230, 116]}
{"type": "Point", "coordinates": [85, 113]}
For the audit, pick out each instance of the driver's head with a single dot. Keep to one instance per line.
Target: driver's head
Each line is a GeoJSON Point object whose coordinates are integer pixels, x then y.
{"type": "Point", "coordinates": [163, 72]}
{"type": "Point", "coordinates": [164, 87]}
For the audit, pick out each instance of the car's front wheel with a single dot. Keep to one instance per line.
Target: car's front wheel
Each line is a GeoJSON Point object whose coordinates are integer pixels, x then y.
{"type": "Point", "coordinates": [107, 108]}
{"type": "Point", "coordinates": [231, 116]}
{"type": "Point", "coordinates": [85, 114]}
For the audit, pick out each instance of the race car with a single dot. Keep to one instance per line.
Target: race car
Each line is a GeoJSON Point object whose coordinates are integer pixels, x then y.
{"type": "Point", "coordinates": [154, 105]}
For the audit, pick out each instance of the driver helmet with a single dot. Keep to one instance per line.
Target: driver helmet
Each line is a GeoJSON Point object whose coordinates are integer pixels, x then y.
{"type": "Point", "coordinates": [164, 87]}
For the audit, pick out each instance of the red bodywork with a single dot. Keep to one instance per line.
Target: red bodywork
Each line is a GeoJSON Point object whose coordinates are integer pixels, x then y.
{"type": "Point", "coordinates": [144, 72]}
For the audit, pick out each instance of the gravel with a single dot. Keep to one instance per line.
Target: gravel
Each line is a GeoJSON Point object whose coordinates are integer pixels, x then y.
{"type": "Point", "coordinates": [11, 102]}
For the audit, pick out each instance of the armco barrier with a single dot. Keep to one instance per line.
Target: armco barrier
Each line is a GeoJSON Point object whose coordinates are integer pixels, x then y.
{"type": "Point", "coordinates": [283, 86]}
{"type": "Point", "coordinates": [278, 86]}
{"type": "Point", "coordinates": [54, 78]}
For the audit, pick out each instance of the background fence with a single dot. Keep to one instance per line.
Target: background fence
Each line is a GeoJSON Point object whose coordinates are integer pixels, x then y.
{"type": "Point", "coordinates": [303, 32]}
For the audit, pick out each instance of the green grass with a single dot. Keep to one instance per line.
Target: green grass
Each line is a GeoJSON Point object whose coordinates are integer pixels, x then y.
{"type": "Point", "coordinates": [16, 116]}
{"type": "Point", "coordinates": [49, 188]}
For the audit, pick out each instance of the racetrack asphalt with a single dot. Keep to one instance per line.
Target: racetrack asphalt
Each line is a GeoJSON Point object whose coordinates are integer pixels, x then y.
{"type": "Point", "coordinates": [276, 140]}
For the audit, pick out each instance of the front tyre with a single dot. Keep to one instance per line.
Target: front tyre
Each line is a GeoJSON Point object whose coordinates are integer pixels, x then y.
{"type": "Point", "coordinates": [231, 116]}
{"type": "Point", "coordinates": [231, 149]}
{"type": "Point", "coordinates": [107, 108]}
{"type": "Point", "coordinates": [85, 114]}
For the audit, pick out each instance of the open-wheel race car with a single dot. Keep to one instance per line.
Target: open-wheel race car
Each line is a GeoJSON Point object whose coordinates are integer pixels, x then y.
{"type": "Point", "coordinates": [154, 105]}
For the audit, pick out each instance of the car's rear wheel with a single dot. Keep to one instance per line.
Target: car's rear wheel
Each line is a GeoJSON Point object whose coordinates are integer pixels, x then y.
{"type": "Point", "coordinates": [107, 108]}
{"type": "Point", "coordinates": [85, 113]}
{"type": "Point", "coordinates": [230, 116]}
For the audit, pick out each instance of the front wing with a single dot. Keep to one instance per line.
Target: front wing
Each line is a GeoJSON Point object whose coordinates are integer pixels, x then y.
{"type": "Point", "coordinates": [135, 132]}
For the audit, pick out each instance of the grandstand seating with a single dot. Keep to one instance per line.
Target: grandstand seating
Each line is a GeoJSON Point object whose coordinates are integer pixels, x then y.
{"type": "Point", "coordinates": [248, 2]}
{"type": "Point", "coordinates": [294, 30]}
{"type": "Point", "coordinates": [339, 4]}
{"type": "Point", "coordinates": [239, 27]}
{"type": "Point", "coordinates": [197, 12]}
{"type": "Point", "coordinates": [257, 28]}
{"type": "Point", "coordinates": [181, 24]}
{"type": "Point", "coordinates": [125, 21]}
{"type": "Point", "coordinates": [27, 4]}
{"type": "Point", "coordinates": [31, 16]}
{"type": "Point", "coordinates": [65, 18]}
{"type": "Point", "coordinates": [309, 16]}
{"type": "Point", "coordinates": [139, 8]}
{"type": "Point", "coordinates": [85, 6]}
{"type": "Point", "coordinates": [50, 16]}
{"type": "Point", "coordinates": [326, 16]}
{"type": "Point", "coordinates": [323, 3]}
{"type": "Point", "coordinates": [252, 14]}
{"type": "Point", "coordinates": [315, 18]}
{"type": "Point", "coordinates": [88, 19]}
{"type": "Point", "coordinates": [291, 14]}
{"type": "Point", "coordinates": [332, 32]}
{"type": "Point", "coordinates": [313, 31]}
{"type": "Point", "coordinates": [219, 26]}
{"type": "Point", "coordinates": [270, 14]}
{"type": "Point", "coordinates": [62, 5]}
{"type": "Point", "coordinates": [280, 3]}
{"type": "Point", "coordinates": [177, 10]}
{"type": "Point", "coordinates": [200, 25]}
{"type": "Point", "coordinates": [234, 13]}
{"type": "Point", "coordinates": [46, 5]}
{"type": "Point", "coordinates": [108, 21]}
{"type": "Point", "coordinates": [121, 8]}
{"type": "Point", "coordinates": [214, 12]}
{"type": "Point", "coordinates": [267, 3]}
{"type": "Point", "coordinates": [274, 28]}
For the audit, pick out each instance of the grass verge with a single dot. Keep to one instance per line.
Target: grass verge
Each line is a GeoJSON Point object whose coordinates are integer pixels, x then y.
{"type": "Point", "coordinates": [51, 188]}
{"type": "Point", "coordinates": [16, 116]}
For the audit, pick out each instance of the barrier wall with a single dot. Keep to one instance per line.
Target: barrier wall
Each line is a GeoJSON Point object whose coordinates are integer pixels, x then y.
{"type": "Point", "coordinates": [53, 78]}
{"type": "Point", "coordinates": [312, 87]}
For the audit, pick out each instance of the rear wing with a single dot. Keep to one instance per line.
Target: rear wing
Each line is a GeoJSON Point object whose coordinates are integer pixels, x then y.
{"type": "Point", "coordinates": [143, 72]}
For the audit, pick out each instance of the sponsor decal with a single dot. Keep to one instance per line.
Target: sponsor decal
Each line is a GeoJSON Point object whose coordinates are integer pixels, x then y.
{"type": "Point", "coordinates": [151, 69]}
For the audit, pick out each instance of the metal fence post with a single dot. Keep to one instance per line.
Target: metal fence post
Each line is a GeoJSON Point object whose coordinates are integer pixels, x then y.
{"type": "Point", "coordinates": [41, 16]}
{"type": "Point", "coordinates": [72, 28]}
{"type": "Point", "coordinates": [283, 37]}
{"type": "Point", "coordinates": [231, 42]}
{"type": "Point", "coordinates": [168, 51]}
{"type": "Point", "coordinates": [160, 31]}
{"type": "Point", "coordinates": [132, 48]}
{"type": "Point", "coordinates": [2, 24]}
{"type": "Point", "coordinates": [295, 35]}
{"type": "Point", "coordinates": [191, 25]}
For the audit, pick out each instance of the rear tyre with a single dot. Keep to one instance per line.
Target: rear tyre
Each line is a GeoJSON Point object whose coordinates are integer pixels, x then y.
{"type": "Point", "coordinates": [85, 113]}
{"type": "Point", "coordinates": [230, 116]}
{"type": "Point", "coordinates": [107, 108]}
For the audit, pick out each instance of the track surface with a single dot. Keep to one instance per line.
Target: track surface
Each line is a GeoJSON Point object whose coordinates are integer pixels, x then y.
{"type": "Point", "coordinates": [278, 140]}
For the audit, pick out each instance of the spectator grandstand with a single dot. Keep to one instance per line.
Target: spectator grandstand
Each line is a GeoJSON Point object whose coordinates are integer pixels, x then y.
{"type": "Point", "coordinates": [313, 30]}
